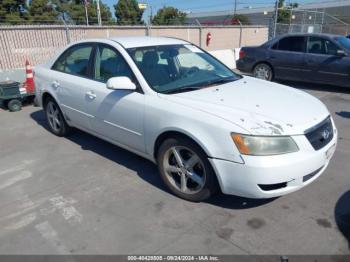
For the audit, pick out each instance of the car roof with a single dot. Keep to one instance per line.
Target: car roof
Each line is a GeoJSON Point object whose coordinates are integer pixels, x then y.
{"type": "Point", "coordinates": [310, 34]}
{"type": "Point", "coordinates": [140, 41]}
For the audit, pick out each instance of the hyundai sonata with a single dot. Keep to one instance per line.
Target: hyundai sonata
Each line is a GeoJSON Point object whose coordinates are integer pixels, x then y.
{"type": "Point", "coordinates": [206, 127]}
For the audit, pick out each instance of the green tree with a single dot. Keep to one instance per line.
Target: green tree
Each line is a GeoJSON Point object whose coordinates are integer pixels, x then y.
{"type": "Point", "coordinates": [43, 12]}
{"type": "Point", "coordinates": [169, 15]}
{"type": "Point", "coordinates": [75, 10]}
{"type": "Point", "coordinates": [128, 12]}
{"type": "Point", "coordinates": [13, 12]}
{"type": "Point", "coordinates": [50, 11]}
{"type": "Point", "coordinates": [284, 13]}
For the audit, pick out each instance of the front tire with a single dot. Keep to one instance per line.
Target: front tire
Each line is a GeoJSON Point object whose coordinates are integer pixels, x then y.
{"type": "Point", "coordinates": [263, 71]}
{"type": "Point", "coordinates": [55, 119]}
{"type": "Point", "coordinates": [185, 169]}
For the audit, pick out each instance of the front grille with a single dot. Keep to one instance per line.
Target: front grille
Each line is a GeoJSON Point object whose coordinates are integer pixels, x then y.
{"type": "Point", "coordinates": [321, 134]}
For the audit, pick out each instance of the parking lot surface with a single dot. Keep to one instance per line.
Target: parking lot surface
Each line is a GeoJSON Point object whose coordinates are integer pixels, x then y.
{"type": "Point", "coordinates": [81, 195]}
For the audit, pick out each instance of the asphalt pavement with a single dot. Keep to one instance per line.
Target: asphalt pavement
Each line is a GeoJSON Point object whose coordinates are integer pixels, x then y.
{"type": "Point", "coordinates": [81, 195]}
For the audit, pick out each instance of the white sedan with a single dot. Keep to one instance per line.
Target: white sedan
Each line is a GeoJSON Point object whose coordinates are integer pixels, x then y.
{"type": "Point", "coordinates": [206, 127]}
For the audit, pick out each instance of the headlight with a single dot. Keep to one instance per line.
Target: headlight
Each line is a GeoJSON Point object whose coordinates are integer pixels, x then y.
{"type": "Point", "coordinates": [264, 145]}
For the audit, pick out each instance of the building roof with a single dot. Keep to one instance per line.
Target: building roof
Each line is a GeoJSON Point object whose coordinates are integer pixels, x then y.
{"type": "Point", "coordinates": [325, 4]}
{"type": "Point", "coordinates": [308, 6]}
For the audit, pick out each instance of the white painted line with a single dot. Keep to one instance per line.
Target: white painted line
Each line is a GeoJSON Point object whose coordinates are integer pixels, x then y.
{"type": "Point", "coordinates": [16, 168]}
{"type": "Point", "coordinates": [11, 170]}
{"type": "Point", "coordinates": [13, 180]}
{"type": "Point", "coordinates": [22, 211]}
{"type": "Point", "coordinates": [24, 221]}
{"type": "Point", "coordinates": [48, 233]}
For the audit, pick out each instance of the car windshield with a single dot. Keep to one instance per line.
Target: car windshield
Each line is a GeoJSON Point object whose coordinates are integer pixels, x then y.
{"type": "Point", "coordinates": [344, 42]}
{"type": "Point", "coordinates": [179, 68]}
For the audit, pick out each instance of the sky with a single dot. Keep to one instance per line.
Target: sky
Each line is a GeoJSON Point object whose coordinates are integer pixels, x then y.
{"type": "Point", "coordinates": [196, 6]}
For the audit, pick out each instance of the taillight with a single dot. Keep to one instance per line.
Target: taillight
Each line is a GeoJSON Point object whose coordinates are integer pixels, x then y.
{"type": "Point", "coordinates": [241, 54]}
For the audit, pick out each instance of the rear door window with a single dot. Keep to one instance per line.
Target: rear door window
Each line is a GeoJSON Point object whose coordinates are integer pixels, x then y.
{"type": "Point", "coordinates": [291, 43]}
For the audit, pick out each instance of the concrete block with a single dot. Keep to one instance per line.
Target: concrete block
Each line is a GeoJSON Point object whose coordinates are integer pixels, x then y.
{"type": "Point", "coordinates": [226, 56]}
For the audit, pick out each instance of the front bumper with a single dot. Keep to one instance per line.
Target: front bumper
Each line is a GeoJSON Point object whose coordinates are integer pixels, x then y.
{"type": "Point", "coordinates": [272, 176]}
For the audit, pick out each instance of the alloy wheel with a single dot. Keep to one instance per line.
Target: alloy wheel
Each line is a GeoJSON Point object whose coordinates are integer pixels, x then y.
{"type": "Point", "coordinates": [263, 72]}
{"type": "Point", "coordinates": [184, 170]}
{"type": "Point", "coordinates": [53, 115]}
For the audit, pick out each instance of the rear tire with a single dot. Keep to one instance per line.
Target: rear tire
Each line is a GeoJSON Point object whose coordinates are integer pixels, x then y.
{"type": "Point", "coordinates": [186, 170]}
{"type": "Point", "coordinates": [14, 105]}
{"type": "Point", "coordinates": [57, 123]}
{"type": "Point", "coordinates": [263, 71]}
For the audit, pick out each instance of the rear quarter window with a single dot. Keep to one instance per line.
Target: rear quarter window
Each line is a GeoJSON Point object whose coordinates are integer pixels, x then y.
{"type": "Point", "coordinates": [74, 61]}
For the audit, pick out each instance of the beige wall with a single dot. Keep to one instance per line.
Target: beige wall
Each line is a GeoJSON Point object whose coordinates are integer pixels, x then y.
{"type": "Point", "coordinates": [189, 34]}
{"type": "Point", "coordinates": [36, 45]}
{"type": "Point", "coordinates": [221, 38]}
{"type": "Point", "coordinates": [39, 43]}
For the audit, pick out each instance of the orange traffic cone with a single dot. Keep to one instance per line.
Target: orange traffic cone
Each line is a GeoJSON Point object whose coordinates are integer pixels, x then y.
{"type": "Point", "coordinates": [29, 85]}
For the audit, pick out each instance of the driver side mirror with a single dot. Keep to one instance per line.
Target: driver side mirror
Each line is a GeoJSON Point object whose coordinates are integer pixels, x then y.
{"type": "Point", "coordinates": [341, 52]}
{"type": "Point", "coordinates": [120, 83]}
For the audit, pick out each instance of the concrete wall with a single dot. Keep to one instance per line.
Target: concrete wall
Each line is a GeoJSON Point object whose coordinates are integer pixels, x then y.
{"type": "Point", "coordinates": [39, 43]}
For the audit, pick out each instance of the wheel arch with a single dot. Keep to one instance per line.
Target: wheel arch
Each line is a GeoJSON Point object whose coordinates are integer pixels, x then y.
{"type": "Point", "coordinates": [176, 133]}
{"type": "Point", "coordinates": [45, 96]}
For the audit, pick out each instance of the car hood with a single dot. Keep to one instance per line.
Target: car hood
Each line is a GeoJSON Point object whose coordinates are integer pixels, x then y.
{"type": "Point", "coordinates": [259, 107]}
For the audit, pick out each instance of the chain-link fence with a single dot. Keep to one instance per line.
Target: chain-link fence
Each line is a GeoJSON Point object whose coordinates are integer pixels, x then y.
{"type": "Point", "coordinates": [308, 21]}
{"type": "Point", "coordinates": [298, 28]}
{"type": "Point", "coordinates": [312, 28]}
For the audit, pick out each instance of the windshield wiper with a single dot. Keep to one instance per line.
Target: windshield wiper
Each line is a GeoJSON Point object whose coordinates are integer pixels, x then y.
{"type": "Point", "coordinates": [200, 86]}
{"type": "Point", "coordinates": [182, 89]}
{"type": "Point", "coordinates": [219, 81]}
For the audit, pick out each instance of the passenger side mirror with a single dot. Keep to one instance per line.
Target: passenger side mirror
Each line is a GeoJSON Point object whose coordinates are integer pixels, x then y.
{"type": "Point", "coordinates": [341, 52]}
{"type": "Point", "coordinates": [120, 83]}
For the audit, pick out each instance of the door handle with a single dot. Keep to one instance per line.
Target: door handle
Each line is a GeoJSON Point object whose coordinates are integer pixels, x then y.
{"type": "Point", "coordinates": [91, 94]}
{"type": "Point", "coordinates": [55, 84]}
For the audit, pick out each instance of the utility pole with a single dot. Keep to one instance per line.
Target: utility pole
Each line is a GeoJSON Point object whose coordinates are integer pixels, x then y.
{"type": "Point", "coordinates": [86, 12]}
{"type": "Point", "coordinates": [86, 16]}
{"type": "Point", "coordinates": [322, 22]}
{"type": "Point", "coordinates": [63, 18]}
{"type": "Point", "coordinates": [149, 24]}
{"type": "Point", "coordinates": [275, 19]}
{"type": "Point", "coordinates": [98, 13]}
{"type": "Point", "coordinates": [150, 15]}
{"type": "Point", "coordinates": [235, 10]}
{"type": "Point", "coordinates": [200, 32]}
{"type": "Point", "coordinates": [290, 19]}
